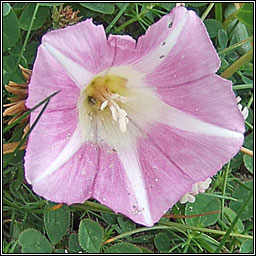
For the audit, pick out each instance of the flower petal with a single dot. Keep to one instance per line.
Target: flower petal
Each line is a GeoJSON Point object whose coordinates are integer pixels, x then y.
{"type": "Point", "coordinates": [57, 163]}
{"type": "Point", "coordinates": [84, 43]}
{"type": "Point", "coordinates": [209, 99]}
{"type": "Point", "coordinates": [177, 54]}
{"type": "Point", "coordinates": [120, 186]}
{"type": "Point", "coordinates": [48, 77]}
{"type": "Point", "coordinates": [173, 160]}
{"type": "Point", "coordinates": [120, 177]}
{"type": "Point", "coordinates": [76, 72]}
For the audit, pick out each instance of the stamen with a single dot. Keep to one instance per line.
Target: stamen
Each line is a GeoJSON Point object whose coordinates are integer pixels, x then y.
{"type": "Point", "coordinates": [114, 112]}
{"type": "Point", "coordinates": [103, 105]}
{"type": "Point", "coordinates": [101, 91]}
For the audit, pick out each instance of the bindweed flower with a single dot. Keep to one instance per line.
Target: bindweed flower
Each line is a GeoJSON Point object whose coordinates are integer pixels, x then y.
{"type": "Point", "coordinates": [135, 124]}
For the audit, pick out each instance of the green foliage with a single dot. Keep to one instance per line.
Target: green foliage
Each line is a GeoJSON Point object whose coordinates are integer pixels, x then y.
{"type": "Point", "coordinates": [123, 248]}
{"type": "Point", "coordinates": [27, 15]}
{"type": "Point", "coordinates": [230, 216]}
{"type": "Point", "coordinates": [73, 244]}
{"type": "Point", "coordinates": [11, 30]}
{"type": "Point", "coordinates": [213, 27]}
{"type": "Point", "coordinates": [203, 204]}
{"type": "Point", "coordinates": [241, 193]}
{"type": "Point", "coordinates": [56, 223]}
{"type": "Point", "coordinates": [6, 9]}
{"type": "Point", "coordinates": [90, 236]}
{"type": "Point", "coordinates": [247, 246]}
{"type": "Point", "coordinates": [248, 160]}
{"type": "Point", "coordinates": [33, 241]}
{"type": "Point", "coordinates": [245, 14]}
{"type": "Point", "coordinates": [107, 8]}
{"type": "Point", "coordinates": [162, 242]}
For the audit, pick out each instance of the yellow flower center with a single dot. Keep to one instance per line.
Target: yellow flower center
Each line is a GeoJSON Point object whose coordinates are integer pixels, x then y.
{"type": "Point", "coordinates": [108, 93]}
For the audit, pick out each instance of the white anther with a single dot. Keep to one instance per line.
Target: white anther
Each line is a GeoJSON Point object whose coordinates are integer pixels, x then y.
{"type": "Point", "coordinates": [103, 105]}
{"type": "Point", "coordinates": [122, 120]}
{"type": "Point", "coordinates": [114, 112]}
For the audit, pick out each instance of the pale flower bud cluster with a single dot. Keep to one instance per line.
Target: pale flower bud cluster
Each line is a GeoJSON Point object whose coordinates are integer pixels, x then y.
{"type": "Point", "coordinates": [244, 111]}
{"type": "Point", "coordinates": [198, 187]}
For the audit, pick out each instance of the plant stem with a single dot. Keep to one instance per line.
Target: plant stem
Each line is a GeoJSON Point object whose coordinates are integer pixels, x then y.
{"type": "Point", "coordinates": [250, 102]}
{"type": "Point", "coordinates": [228, 232]}
{"type": "Point", "coordinates": [206, 12]}
{"type": "Point", "coordinates": [234, 46]}
{"type": "Point", "coordinates": [173, 225]}
{"type": "Point", "coordinates": [113, 22]}
{"type": "Point", "coordinates": [249, 125]}
{"type": "Point", "coordinates": [226, 171]}
{"type": "Point", "coordinates": [246, 151]}
{"type": "Point", "coordinates": [236, 65]}
{"type": "Point", "coordinates": [218, 12]}
{"type": "Point", "coordinates": [128, 22]}
{"type": "Point", "coordinates": [28, 34]}
{"type": "Point", "coordinates": [242, 86]}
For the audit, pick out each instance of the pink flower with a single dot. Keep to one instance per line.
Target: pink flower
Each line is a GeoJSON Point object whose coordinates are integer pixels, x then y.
{"type": "Point", "coordinates": [135, 125]}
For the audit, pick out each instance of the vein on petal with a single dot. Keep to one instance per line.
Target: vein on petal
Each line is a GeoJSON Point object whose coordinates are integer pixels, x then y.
{"type": "Point", "coordinates": [158, 55]}
{"type": "Point", "coordinates": [77, 73]}
{"type": "Point", "coordinates": [73, 145]}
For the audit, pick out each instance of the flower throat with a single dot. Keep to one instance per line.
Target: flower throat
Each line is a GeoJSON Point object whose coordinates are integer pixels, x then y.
{"type": "Point", "coordinates": [108, 93]}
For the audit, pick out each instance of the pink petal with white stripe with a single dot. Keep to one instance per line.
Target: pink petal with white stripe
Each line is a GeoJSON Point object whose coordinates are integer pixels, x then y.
{"type": "Point", "coordinates": [209, 99]}
{"type": "Point", "coordinates": [177, 54]}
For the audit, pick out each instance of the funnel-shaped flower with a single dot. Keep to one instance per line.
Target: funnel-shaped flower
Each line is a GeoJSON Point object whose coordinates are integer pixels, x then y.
{"type": "Point", "coordinates": [135, 125]}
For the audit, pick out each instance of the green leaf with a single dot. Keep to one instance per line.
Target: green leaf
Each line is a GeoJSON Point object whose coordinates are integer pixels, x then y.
{"type": "Point", "coordinates": [32, 241]}
{"type": "Point", "coordinates": [90, 236]}
{"type": "Point", "coordinates": [162, 242]}
{"type": "Point", "coordinates": [230, 216]}
{"type": "Point", "coordinates": [203, 204]}
{"type": "Point", "coordinates": [144, 249]}
{"type": "Point", "coordinates": [196, 4]}
{"type": "Point", "coordinates": [27, 14]}
{"type": "Point", "coordinates": [241, 193]}
{"type": "Point", "coordinates": [247, 246]}
{"type": "Point", "coordinates": [107, 8]}
{"type": "Point", "coordinates": [62, 251]}
{"type": "Point", "coordinates": [248, 160]}
{"type": "Point", "coordinates": [56, 223]}
{"type": "Point", "coordinates": [167, 6]}
{"type": "Point", "coordinates": [237, 31]}
{"type": "Point", "coordinates": [50, 4]}
{"type": "Point", "coordinates": [236, 161]}
{"type": "Point", "coordinates": [30, 52]}
{"type": "Point", "coordinates": [207, 242]}
{"type": "Point", "coordinates": [109, 218]}
{"type": "Point", "coordinates": [213, 27]}
{"type": "Point", "coordinates": [127, 225]}
{"type": "Point", "coordinates": [11, 72]}
{"type": "Point", "coordinates": [73, 244]}
{"type": "Point", "coordinates": [6, 9]}
{"type": "Point", "coordinates": [222, 38]}
{"type": "Point", "coordinates": [11, 31]}
{"type": "Point", "coordinates": [245, 14]}
{"type": "Point", "coordinates": [224, 65]}
{"type": "Point", "coordinates": [123, 248]}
